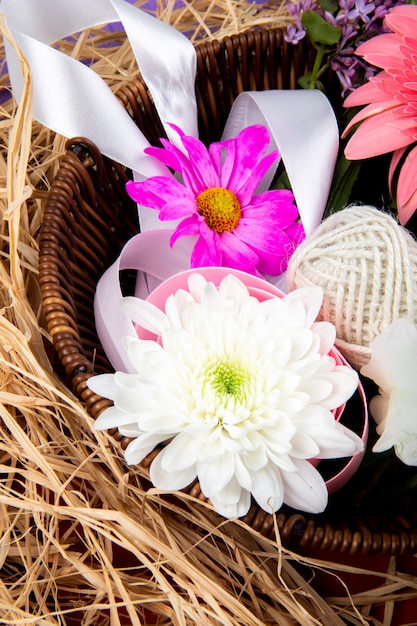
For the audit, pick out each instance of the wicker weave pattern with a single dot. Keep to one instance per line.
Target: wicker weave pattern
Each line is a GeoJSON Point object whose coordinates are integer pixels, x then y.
{"type": "Point", "coordinates": [89, 216]}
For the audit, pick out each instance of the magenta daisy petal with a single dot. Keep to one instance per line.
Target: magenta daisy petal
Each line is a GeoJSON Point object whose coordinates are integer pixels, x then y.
{"type": "Point", "coordinates": [201, 163]}
{"type": "Point", "coordinates": [180, 207]}
{"type": "Point", "coordinates": [261, 236]}
{"type": "Point", "coordinates": [188, 226]}
{"type": "Point", "coordinates": [222, 154]}
{"type": "Point", "coordinates": [275, 204]}
{"type": "Point", "coordinates": [237, 254]}
{"type": "Point", "coordinates": [250, 147]}
{"type": "Point", "coordinates": [206, 252]}
{"type": "Point", "coordinates": [157, 191]}
{"type": "Point", "coordinates": [217, 201]}
{"type": "Point", "coordinates": [167, 155]}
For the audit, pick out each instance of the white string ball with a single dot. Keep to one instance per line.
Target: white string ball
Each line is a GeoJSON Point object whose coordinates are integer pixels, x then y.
{"type": "Point", "coordinates": [366, 264]}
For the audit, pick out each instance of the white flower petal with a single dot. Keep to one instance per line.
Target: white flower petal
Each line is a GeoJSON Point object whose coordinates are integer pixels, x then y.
{"type": "Point", "coordinates": [167, 423]}
{"type": "Point", "coordinates": [327, 334]}
{"type": "Point", "coordinates": [311, 298]}
{"type": "Point", "coordinates": [232, 501]}
{"type": "Point", "coordinates": [140, 447]}
{"type": "Point", "coordinates": [267, 488]}
{"type": "Point", "coordinates": [144, 314]}
{"type": "Point", "coordinates": [344, 381]}
{"type": "Point", "coordinates": [393, 367]}
{"type": "Point", "coordinates": [400, 419]}
{"type": "Point", "coordinates": [171, 481]}
{"type": "Point", "coordinates": [339, 442]}
{"type": "Point", "coordinates": [196, 283]}
{"type": "Point", "coordinates": [175, 306]}
{"type": "Point", "coordinates": [256, 460]}
{"type": "Point", "coordinates": [104, 385]}
{"type": "Point", "coordinates": [215, 475]}
{"type": "Point", "coordinates": [232, 287]}
{"type": "Point", "coordinates": [242, 474]}
{"type": "Point", "coordinates": [303, 446]}
{"type": "Point", "coordinates": [406, 450]}
{"type": "Point", "coordinates": [180, 453]}
{"type": "Point", "coordinates": [131, 430]}
{"type": "Point", "coordinates": [378, 407]}
{"type": "Point", "coordinates": [393, 360]}
{"type": "Point", "coordinates": [142, 354]}
{"type": "Point", "coordinates": [112, 418]}
{"type": "Point", "coordinates": [305, 489]}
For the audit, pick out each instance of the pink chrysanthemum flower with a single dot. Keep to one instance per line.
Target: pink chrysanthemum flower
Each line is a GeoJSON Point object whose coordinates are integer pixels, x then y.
{"type": "Point", "coordinates": [389, 121]}
{"type": "Point", "coordinates": [217, 203]}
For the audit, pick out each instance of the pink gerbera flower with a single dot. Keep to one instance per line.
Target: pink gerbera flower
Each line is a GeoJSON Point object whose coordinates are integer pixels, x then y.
{"type": "Point", "coordinates": [216, 202]}
{"type": "Point", "coordinates": [389, 121]}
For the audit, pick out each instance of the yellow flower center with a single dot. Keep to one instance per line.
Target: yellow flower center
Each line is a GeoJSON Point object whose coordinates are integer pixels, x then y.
{"type": "Point", "coordinates": [220, 209]}
{"type": "Point", "coordinates": [227, 378]}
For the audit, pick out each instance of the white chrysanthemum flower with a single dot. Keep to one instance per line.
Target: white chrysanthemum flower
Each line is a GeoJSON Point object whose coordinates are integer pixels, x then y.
{"type": "Point", "coordinates": [240, 391]}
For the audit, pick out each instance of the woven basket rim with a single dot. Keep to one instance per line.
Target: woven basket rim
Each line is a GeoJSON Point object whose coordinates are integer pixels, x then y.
{"type": "Point", "coordinates": [82, 171]}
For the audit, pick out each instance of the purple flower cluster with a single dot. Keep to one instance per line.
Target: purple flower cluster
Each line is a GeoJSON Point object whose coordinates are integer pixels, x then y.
{"type": "Point", "coordinates": [358, 20]}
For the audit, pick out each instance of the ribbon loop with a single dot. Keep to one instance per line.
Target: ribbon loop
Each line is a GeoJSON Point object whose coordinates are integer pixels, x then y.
{"type": "Point", "coordinates": [304, 128]}
{"type": "Point", "coordinates": [73, 100]}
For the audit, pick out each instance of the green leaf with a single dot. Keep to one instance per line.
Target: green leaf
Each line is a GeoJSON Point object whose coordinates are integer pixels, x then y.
{"type": "Point", "coordinates": [318, 30]}
{"type": "Point", "coordinates": [308, 82]}
{"type": "Point", "coordinates": [345, 175]}
{"type": "Point", "coordinates": [329, 5]}
{"type": "Point", "coordinates": [305, 81]}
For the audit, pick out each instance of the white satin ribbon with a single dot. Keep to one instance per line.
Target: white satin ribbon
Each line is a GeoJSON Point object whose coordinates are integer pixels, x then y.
{"type": "Point", "coordinates": [73, 100]}
{"type": "Point", "coordinates": [153, 268]}
{"type": "Point", "coordinates": [304, 128]}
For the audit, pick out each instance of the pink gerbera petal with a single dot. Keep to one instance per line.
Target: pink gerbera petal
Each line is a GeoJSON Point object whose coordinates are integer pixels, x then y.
{"type": "Point", "coordinates": [371, 92]}
{"type": "Point", "coordinates": [407, 187]}
{"type": "Point", "coordinates": [389, 121]}
{"type": "Point", "coordinates": [382, 51]}
{"type": "Point", "coordinates": [166, 155]}
{"type": "Point", "coordinates": [402, 20]}
{"type": "Point", "coordinates": [397, 156]}
{"type": "Point", "coordinates": [376, 108]}
{"type": "Point", "coordinates": [377, 135]}
{"type": "Point", "coordinates": [296, 232]}
{"type": "Point", "coordinates": [246, 190]}
{"type": "Point", "coordinates": [223, 154]}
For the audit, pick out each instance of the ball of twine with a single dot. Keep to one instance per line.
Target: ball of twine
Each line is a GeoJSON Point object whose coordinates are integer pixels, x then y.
{"type": "Point", "coordinates": [366, 265]}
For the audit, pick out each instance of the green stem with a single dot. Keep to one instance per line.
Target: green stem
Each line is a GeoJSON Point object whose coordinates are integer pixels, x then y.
{"type": "Point", "coordinates": [315, 72]}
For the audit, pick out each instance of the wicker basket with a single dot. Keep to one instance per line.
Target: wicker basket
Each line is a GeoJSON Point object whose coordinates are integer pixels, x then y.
{"type": "Point", "coordinates": [88, 217]}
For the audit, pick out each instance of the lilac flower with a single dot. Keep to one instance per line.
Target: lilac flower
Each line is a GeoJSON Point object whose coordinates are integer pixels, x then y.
{"type": "Point", "coordinates": [358, 20]}
{"type": "Point", "coordinates": [361, 11]}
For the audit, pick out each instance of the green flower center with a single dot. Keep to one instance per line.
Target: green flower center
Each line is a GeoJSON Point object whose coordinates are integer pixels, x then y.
{"type": "Point", "coordinates": [220, 208]}
{"type": "Point", "coordinates": [227, 379]}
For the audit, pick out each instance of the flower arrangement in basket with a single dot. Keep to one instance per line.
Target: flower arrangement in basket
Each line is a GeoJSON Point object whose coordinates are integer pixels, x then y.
{"type": "Point", "coordinates": [254, 318]}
